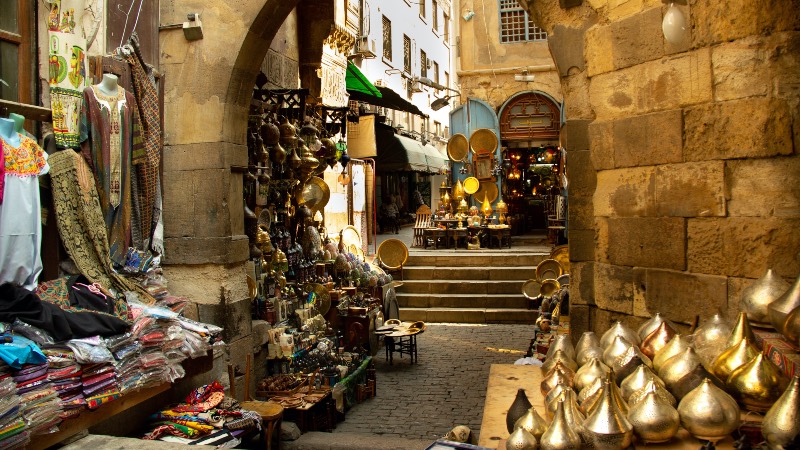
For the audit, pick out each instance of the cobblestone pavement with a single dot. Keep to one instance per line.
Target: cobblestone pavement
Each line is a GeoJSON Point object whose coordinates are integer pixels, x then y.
{"type": "Point", "coordinates": [444, 389]}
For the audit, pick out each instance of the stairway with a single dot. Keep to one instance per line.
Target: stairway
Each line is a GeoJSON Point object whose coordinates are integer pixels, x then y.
{"type": "Point", "coordinates": [469, 286]}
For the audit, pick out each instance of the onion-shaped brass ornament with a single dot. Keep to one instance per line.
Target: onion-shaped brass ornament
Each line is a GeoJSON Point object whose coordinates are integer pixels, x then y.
{"type": "Point", "coordinates": [683, 372]}
{"type": "Point", "coordinates": [781, 425]}
{"type": "Point", "coordinates": [557, 356]}
{"type": "Point", "coordinates": [561, 342]}
{"type": "Point", "coordinates": [617, 347]}
{"type": "Point", "coordinates": [555, 393]}
{"type": "Point", "coordinates": [588, 340]}
{"type": "Point", "coordinates": [637, 380]}
{"type": "Point", "coordinates": [654, 420]}
{"type": "Point", "coordinates": [594, 400]}
{"type": "Point", "coordinates": [757, 384]}
{"type": "Point", "coordinates": [572, 411]}
{"type": "Point", "coordinates": [533, 423]}
{"type": "Point", "coordinates": [521, 439]}
{"type": "Point", "coordinates": [458, 191]}
{"type": "Point", "coordinates": [558, 375]}
{"type": "Point", "coordinates": [756, 298]}
{"type": "Point", "coordinates": [606, 426]}
{"type": "Point", "coordinates": [660, 390]}
{"type": "Point", "coordinates": [741, 330]}
{"type": "Point", "coordinates": [657, 340]}
{"type": "Point", "coordinates": [618, 329]}
{"type": "Point", "coordinates": [560, 435]}
{"type": "Point", "coordinates": [677, 344]}
{"type": "Point", "coordinates": [694, 410]}
{"type": "Point", "coordinates": [589, 391]}
{"type": "Point", "coordinates": [712, 333]}
{"type": "Point", "coordinates": [779, 309]}
{"type": "Point", "coordinates": [733, 358]}
{"type": "Point", "coordinates": [791, 328]}
{"type": "Point", "coordinates": [589, 372]}
{"type": "Point", "coordinates": [648, 327]}
{"type": "Point", "coordinates": [629, 361]}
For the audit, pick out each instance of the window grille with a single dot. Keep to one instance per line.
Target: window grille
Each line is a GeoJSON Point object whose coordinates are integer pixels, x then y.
{"type": "Point", "coordinates": [516, 25]}
{"type": "Point", "coordinates": [406, 54]}
{"type": "Point", "coordinates": [387, 38]}
{"type": "Point", "coordinates": [436, 72]}
{"type": "Point", "coordinates": [435, 15]}
{"type": "Point", "coordinates": [446, 25]}
{"type": "Point", "coordinates": [423, 64]}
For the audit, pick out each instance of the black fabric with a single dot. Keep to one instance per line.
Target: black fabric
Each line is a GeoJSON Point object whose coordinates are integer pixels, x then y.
{"type": "Point", "coordinates": [19, 303]}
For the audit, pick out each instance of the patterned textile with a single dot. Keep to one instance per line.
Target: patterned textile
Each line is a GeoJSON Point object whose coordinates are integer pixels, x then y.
{"type": "Point", "coordinates": [173, 429]}
{"type": "Point", "coordinates": [57, 292]}
{"type": "Point", "coordinates": [68, 70]}
{"type": "Point", "coordinates": [102, 398]}
{"type": "Point", "coordinates": [27, 160]}
{"type": "Point", "coordinates": [110, 161]}
{"type": "Point", "coordinates": [2, 172]}
{"type": "Point", "coordinates": [150, 119]}
{"type": "Point", "coordinates": [81, 226]}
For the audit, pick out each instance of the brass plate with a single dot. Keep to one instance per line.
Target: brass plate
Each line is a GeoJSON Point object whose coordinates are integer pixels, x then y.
{"type": "Point", "coordinates": [351, 240]}
{"type": "Point", "coordinates": [561, 254]}
{"type": "Point", "coordinates": [549, 269]}
{"type": "Point", "coordinates": [483, 141]}
{"type": "Point", "coordinates": [457, 147]}
{"type": "Point", "coordinates": [563, 280]}
{"type": "Point", "coordinates": [322, 298]}
{"type": "Point", "coordinates": [252, 288]}
{"type": "Point", "coordinates": [488, 189]}
{"type": "Point", "coordinates": [316, 193]}
{"type": "Point", "coordinates": [393, 253]}
{"type": "Point", "coordinates": [549, 287]}
{"type": "Point", "coordinates": [265, 218]}
{"type": "Point", "coordinates": [531, 288]}
{"type": "Point", "coordinates": [471, 185]}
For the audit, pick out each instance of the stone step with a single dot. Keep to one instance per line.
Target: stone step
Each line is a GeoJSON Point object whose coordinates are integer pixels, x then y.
{"type": "Point", "coordinates": [495, 301]}
{"type": "Point", "coordinates": [469, 315]}
{"type": "Point", "coordinates": [521, 273]}
{"type": "Point", "coordinates": [478, 258]}
{"type": "Point", "coordinates": [449, 286]}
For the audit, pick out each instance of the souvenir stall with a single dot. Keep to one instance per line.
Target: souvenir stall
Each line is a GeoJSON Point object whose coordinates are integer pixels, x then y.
{"type": "Point", "coordinates": [310, 283]}
{"type": "Point", "coordinates": [721, 385]}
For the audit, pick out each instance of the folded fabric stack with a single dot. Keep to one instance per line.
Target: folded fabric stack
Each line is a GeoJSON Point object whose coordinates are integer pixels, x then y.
{"type": "Point", "coordinates": [126, 350]}
{"type": "Point", "coordinates": [12, 425]}
{"type": "Point", "coordinates": [100, 384]}
{"type": "Point", "coordinates": [41, 405]}
{"type": "Point", "coordinates": [65, 374]}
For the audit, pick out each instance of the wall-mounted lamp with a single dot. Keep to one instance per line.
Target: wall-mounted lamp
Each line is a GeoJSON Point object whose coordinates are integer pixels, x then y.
{"type": "Point", "coordinates": [524, 76]}
{"type": "Point", "coordinates": [192, 28]}
{"type": "Point", "coordinates": [440, 103]}
{"type": "Point", "coordinates": [468, 15]}
{"type": "Point", "coordinates": [674, 24]}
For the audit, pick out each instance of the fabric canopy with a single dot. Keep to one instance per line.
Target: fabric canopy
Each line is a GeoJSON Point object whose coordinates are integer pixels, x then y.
{"type": "Point", "coordinates": [400, 153]}
{"type": "Point", "coordinates": [388, 99]}
{"type": "Point", "coordinates": [357, 82]}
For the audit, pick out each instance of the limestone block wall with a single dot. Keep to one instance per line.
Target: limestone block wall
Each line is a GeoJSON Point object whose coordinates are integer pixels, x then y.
{"type": "Point", "coordinates": [683, 159]}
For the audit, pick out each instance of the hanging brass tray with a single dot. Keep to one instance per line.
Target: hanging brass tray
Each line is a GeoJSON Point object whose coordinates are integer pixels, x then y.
{"type": "Point", "coordinates": [549, 269]}
{"type": "Point", "coordinates": [316, 193]}
{"type": "Point", "coordinates": [488, 189]}
{"type": "Point", "coordinates": [322, 298]}
{"type": "Point", "coordinates": [351, 240]}
{"type": "Point", "coordinates": [393, 253]}
{"type": "Point", "coordinates": [471, 185]}
{"type": "Point", "coordinates": [549, 287]}
{"type": "Point", "coordinates": [483, 141]}
{"type": "Point", "coordinates": [531, 288]}
{"type": "Point", "coordinates": [457, 147]}
{"type": "Point", "coordinates": [561, 254]}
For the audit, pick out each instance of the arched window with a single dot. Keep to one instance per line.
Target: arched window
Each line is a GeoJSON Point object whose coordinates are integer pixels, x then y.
{"type": "Point", "coordinates": [530, 115]}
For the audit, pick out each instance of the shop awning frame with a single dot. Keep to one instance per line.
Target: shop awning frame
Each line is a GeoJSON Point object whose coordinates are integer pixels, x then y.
{"type": "Point", "coordinates": [388, 99]}
{"type": "Point", "coordinates": [358, 82]}
{"type": "Point", "coordinates": [404, 154]}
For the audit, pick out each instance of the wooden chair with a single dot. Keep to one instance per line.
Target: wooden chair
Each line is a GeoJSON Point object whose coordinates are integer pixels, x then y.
{"type": "Point", "coordinates": [271, 413]}
{"type": "Point", "coordinates": [423, 221]}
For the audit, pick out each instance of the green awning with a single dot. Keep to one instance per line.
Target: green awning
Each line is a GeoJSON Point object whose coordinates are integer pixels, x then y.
{"type": "Point", "coordinates": [356, 81]}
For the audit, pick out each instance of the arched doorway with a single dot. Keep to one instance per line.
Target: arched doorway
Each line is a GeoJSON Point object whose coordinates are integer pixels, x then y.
{"type": "Point", "coordinates": [530, 123]}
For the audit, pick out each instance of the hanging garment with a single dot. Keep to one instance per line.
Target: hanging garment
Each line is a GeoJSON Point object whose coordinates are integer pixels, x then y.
{"type": "Point", "coordinates": [20, 213]}
{"type": "Point", "coordinates": [81, 226]}
{"type": "Point", "coordinates": [109, 138]}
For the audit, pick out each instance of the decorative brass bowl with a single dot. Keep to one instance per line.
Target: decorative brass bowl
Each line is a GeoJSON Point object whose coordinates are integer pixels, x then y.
{"type": "Point", "coordinates": [756, 298]}
{"type": "Point", "coordinates": [694, 411]}
{"type": "Point", "coordinates": [757, 384]}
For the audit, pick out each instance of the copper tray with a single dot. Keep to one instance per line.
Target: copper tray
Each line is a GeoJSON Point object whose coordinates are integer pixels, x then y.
{"type": "Point", "coordinates": [483, 141]}
{"type": "Point", "coordinates": [457, 147]}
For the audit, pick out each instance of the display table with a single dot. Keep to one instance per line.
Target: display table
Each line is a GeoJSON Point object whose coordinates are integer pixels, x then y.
{"type": "Point", "coordinates": [345, 392]}
{"type": "Point", "coordinates": [319, 416]}
{"type": "Point", "coordinates": [506, 379]}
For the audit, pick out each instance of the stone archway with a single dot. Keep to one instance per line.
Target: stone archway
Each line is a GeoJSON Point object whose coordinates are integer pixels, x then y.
{"type": "Point", "coordinates": [663, 140]}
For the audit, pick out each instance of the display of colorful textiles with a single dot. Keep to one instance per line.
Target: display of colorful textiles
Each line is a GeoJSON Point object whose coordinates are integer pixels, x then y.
{"type": "Point", "coordinates": [40, 404]}
{"type": "Point", "coordinates": [21, 351]}
{"type": "Point", "coordinates": [102, 398]}
{"type": "Point", "coordinates": [171, 428]}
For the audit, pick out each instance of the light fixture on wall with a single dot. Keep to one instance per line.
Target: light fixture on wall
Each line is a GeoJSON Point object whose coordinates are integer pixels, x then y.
{"type": "Point", "coordinates": [524, 76]}
{"type": "Point", "coordinates": [674, 24]}
{"type": "Point", "coordinates": [468, 15]}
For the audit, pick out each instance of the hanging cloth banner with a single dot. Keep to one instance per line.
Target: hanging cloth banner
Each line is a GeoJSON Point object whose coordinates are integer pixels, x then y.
{"type": "Point", "coordinates": [68, 69]}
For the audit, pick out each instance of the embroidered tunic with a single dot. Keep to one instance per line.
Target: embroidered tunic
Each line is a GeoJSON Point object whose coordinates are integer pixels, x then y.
{"type": "Point", "coordinates": [20, 213]}
{"type": "Point", "coordinates": [109, 137]}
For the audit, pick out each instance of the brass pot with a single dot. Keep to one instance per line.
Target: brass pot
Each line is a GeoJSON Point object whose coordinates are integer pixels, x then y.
{"type": "Point", "coordinates": [649, 326]}
{"type": "Point", "coordinates": [618, 329]}
{"type": "Point", "coordinates": [589, 391]}
{"type": "Point", "coordinates": [557, 392]}
{"type": "Point", "coordinates": [521, 439]}
{"type": "Point", "coordinates": [756, 298]}
{"type": "Point", "coordinates": [594, 400]}
{"type": "Point", "coordinates": [657, 340]}
{"type": "Point", "coordinates": [588, 354]}
{"type": "Point", "coordinates": [558, 375]}
{"type": "Point", "coordinates": [733, 358]}
{"type": "Point", "coordinates": [676, 345]}
{"type": "Point", "coordinates": [661, 391]}
{"type": "Point", "coordinates": [557, 356]}
{"type": "Point", "coordinates": [713, 332]}
{"type": "Point", "coordinates": [654, 420]}
{"type": "Point", "coordinates": [561, 342]}
{"type": "Point", "coordinates": [741, 330]}
{"type": "Point", "coordinates": [694, 410]}
{"type": "Point", "coordinates": [590, 372]}
{"type": "Point", "coordinates": [560, 435]}
{"type": "Point", "coordinates": [781, 424]}
{"type": "Point", "coordinates": [683, 372]}
{"type": "Point", "coordinates": [588, 341]}
{"type": "Point", "coordinates": [785, 304]}
{"type": "Point", "coordinates": [616, 349]}
{"type": "Point", "coordinates": [533, 423]}
{"type": "Point", "coordinates": [606, 426]}
{"type": "Point", "coordinates": [757, 384]}
{"type": "Point", "coordinates": [637, 380]}
{"type": "Point", "coordinates": [629, 361]}
{"type": "Point", "coordinates": [573, 412]}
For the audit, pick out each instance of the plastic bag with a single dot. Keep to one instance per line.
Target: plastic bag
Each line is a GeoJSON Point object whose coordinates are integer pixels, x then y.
{"type": "Point", "coordinates": [37, 335]}
{"type": "Point", "coordinates": [194, 345]}
{"type": "Point", "coordinates": [87, 353]}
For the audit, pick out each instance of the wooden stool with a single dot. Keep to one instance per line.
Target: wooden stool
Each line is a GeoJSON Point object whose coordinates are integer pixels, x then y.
{"type": "Point", "coordinates": [271, 413]}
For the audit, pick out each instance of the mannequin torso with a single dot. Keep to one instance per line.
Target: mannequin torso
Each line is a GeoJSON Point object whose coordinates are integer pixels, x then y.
{"type": "Point", "coordinates": [109, 85]}
{"type": "Point", "coordinates": [8, 133]}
